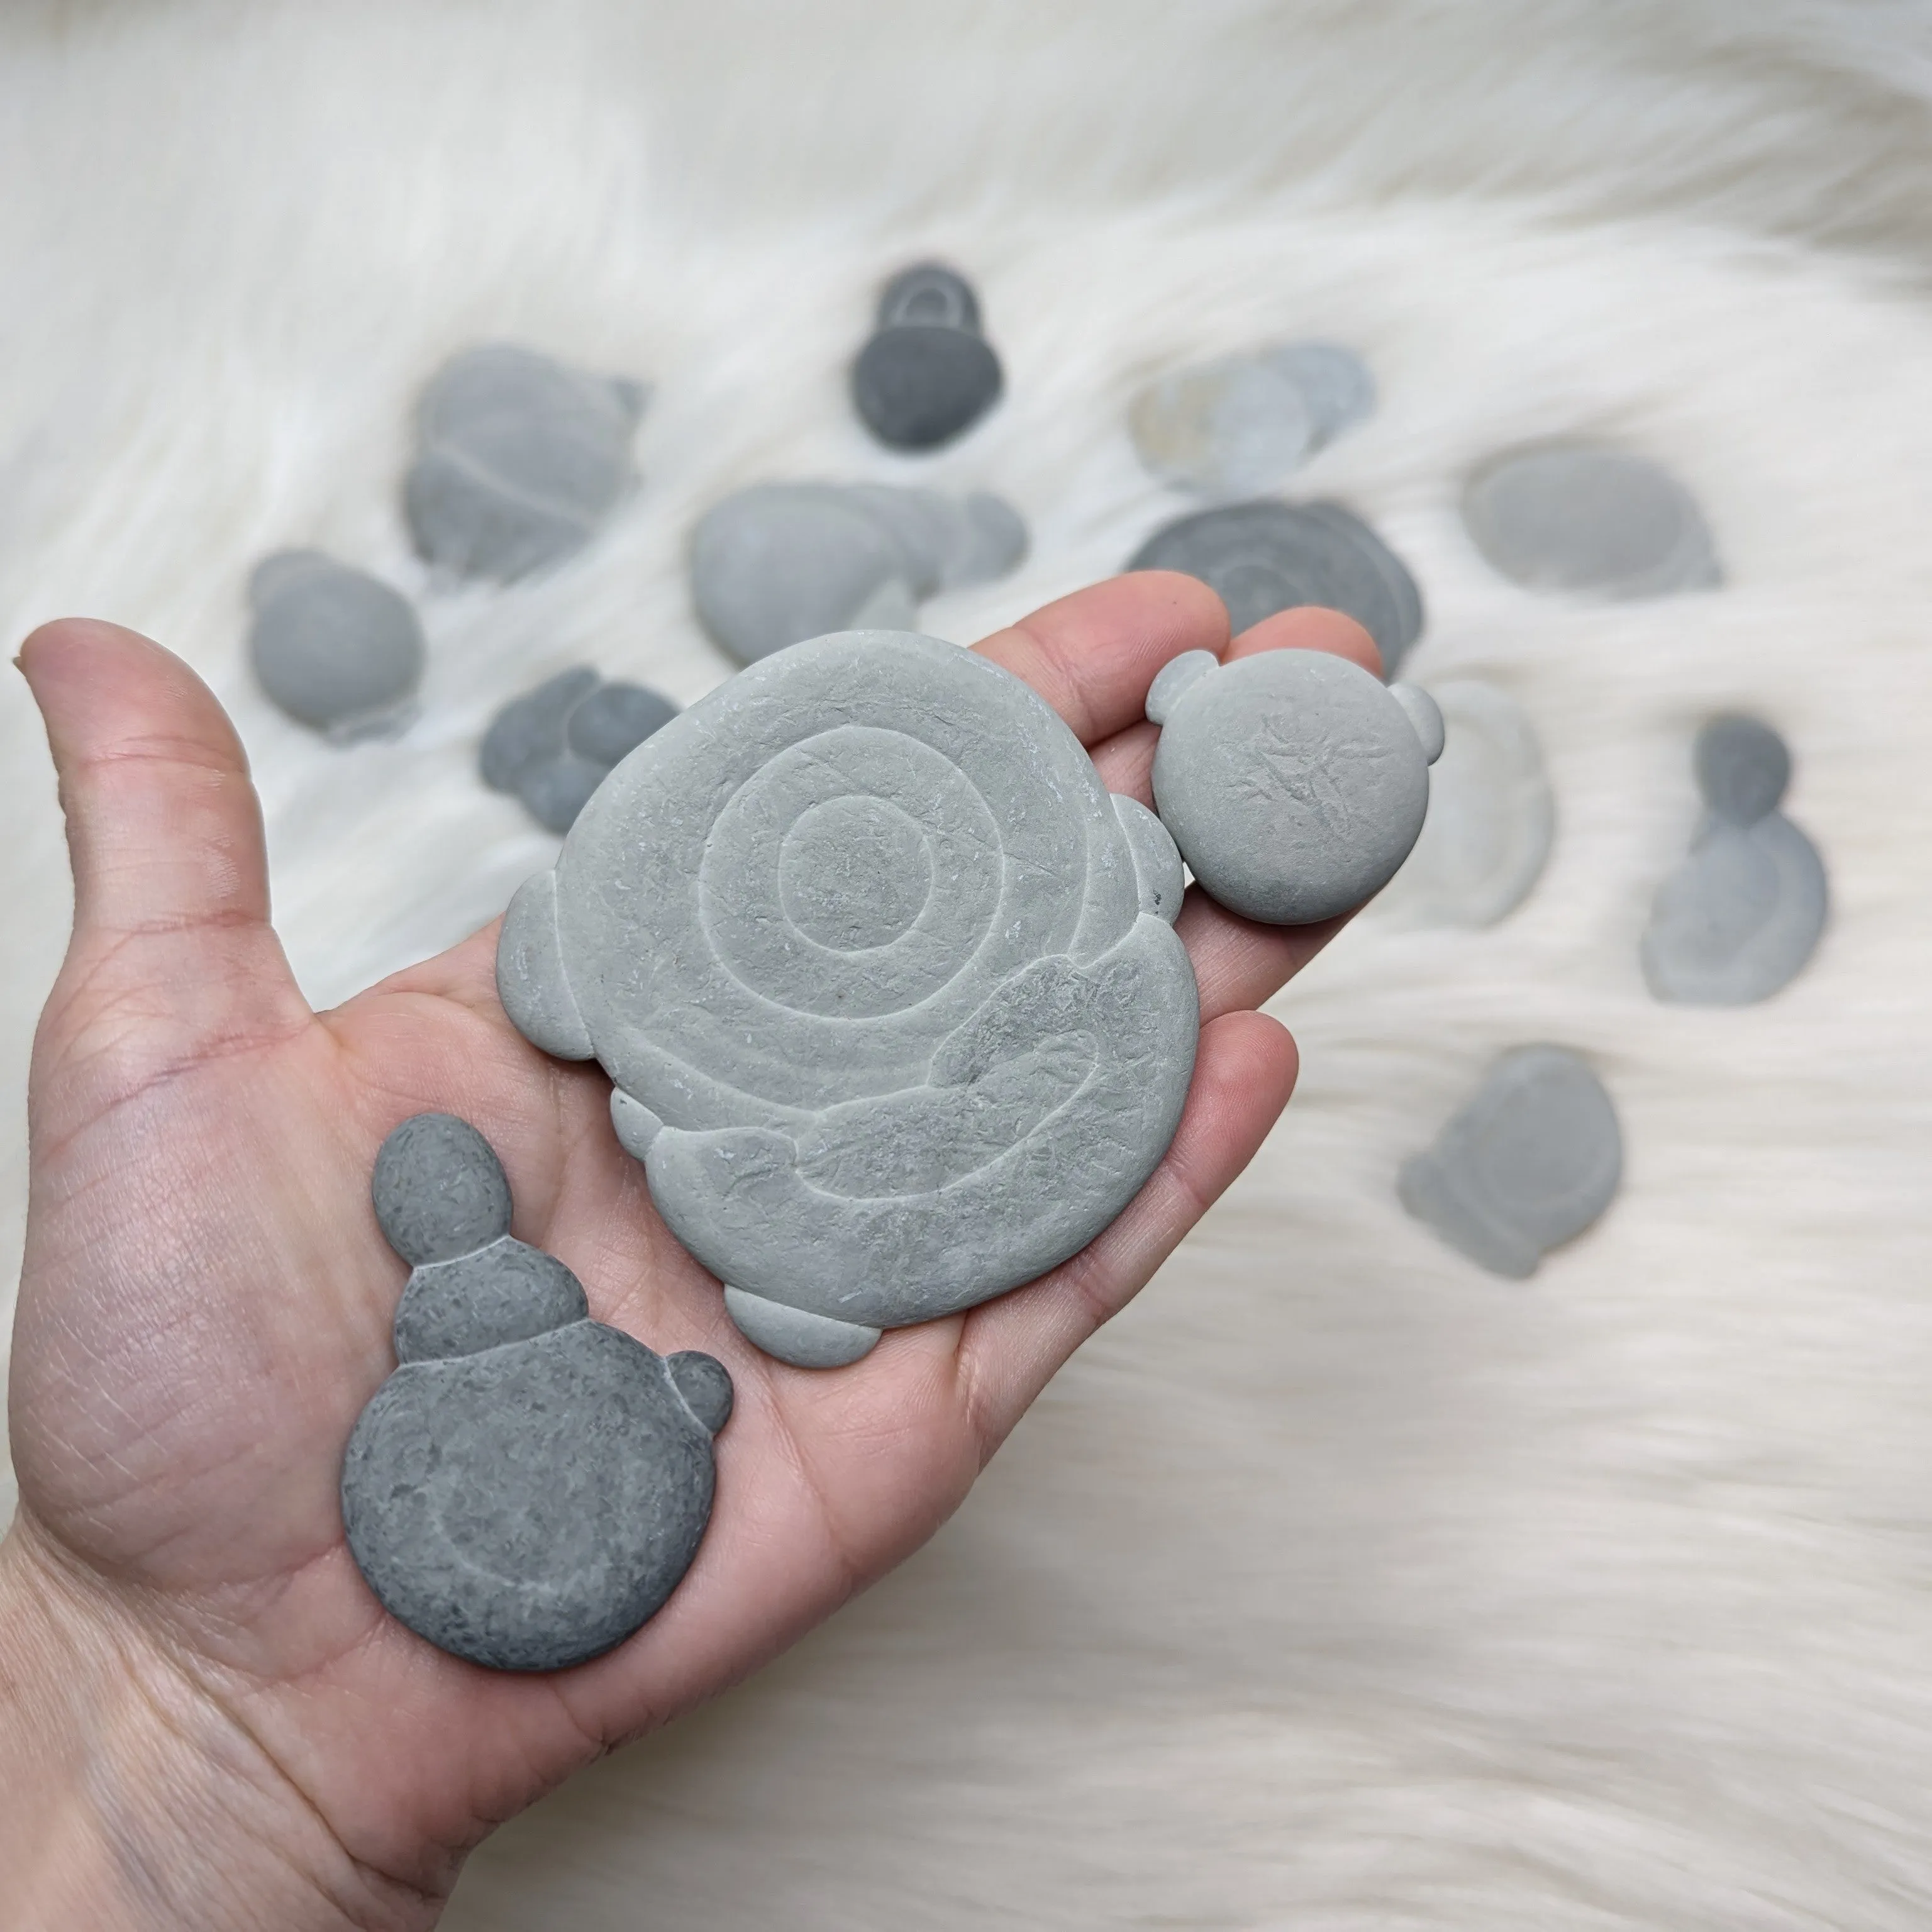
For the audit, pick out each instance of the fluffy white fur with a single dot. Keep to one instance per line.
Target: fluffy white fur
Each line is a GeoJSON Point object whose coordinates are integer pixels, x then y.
{"type": "Point", "coordinates": [1337, 1586]}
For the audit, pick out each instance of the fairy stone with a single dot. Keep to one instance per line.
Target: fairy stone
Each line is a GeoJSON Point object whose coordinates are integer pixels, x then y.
{"type": "Point", "coordinates": [926, 375]}
{"type": "Point", "coordinates": [1529, 1163]}
{"type": "Point", "coordinates": [555, 746]}
{"type": "Point", "coordinates": [1742, 915]}
{"type": "Point", "coordinates": [519, 459]}
{"type": "Point", "coordinates": [1293, 781]}
{"type": "Point", "coordinates": [335, 649]}
{"type": "Point", "coordinates": [1578, 517]}
{"type": "Point", "coordinates": [529, 1486]}
{"type": "Point", "coordinates": [779, 562]}
{"type": "Point", "coordinates": [1491, 816]}
{"type": "Point", "coordinates": [861, 940]}
{"type": "Point", "coordinates": [1262, 557]}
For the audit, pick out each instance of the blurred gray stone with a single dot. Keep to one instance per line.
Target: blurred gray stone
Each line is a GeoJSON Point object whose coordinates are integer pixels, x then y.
{"type": "Point", "coordinates": [1532, 1160]}
{"type": "Point", "coordinates": [1579, 517]}
{"type": "Point", "coordinates": [334, 648]}
{"type": "Point", "coordinates": [1742, 769]}
{"type": "Point", "coordinates": [519, 459]}
{"type": "Point", "coordinates": [927, 374]}
{"type": "Point", "coordinates": [1335, 384]}
{"type": "Point", "coordinates": [1293, 782]}
{"type": "Point", "coordinates": [554, 746]}
{"type": "Point", "coordinates": [529, 731]}
{"type": "Point", "coordinates": [859, 939]}
{"type": "Point", "coordinates": [928, 294]}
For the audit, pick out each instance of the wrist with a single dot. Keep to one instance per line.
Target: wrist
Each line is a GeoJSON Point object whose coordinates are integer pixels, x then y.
{"type": "Point", "coordinates": [129, 1799]}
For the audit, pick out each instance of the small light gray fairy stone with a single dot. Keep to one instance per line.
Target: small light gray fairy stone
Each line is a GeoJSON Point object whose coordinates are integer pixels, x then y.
{"type": "Point", "coordinates": [884, 978]}
{"type": "Point", "coordinates": [1580, 517]}
{"type": "Point", "coordinates": [1491, 818]}
{"type": "Point", "coordinates": [529, 1486]}
{"type": "Point", "coordinates": [927, 374]}
{"type": "Point", "coordinates": [555, 746]}
{"type": "Point", "coordinates": [519, 459]}
{"type": "Point", "coordinates": [1242, 423]}
{"type": "Point", "coordinates": [1743, 914]}
{"type": "Point", "coordinates": [1262, 557]}
{"type": "Point", "coordinates": [1529, 1163]}
{"type": "Point", "coordinates": [336, 648]}
{"type": "Point", "coordinates": [1293, 782]}
{"type": "Point", "coordinates": [779, 562]}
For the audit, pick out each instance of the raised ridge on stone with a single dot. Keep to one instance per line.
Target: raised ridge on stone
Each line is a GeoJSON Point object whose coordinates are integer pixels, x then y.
{"type": "Point", "coordinates": [859, 939]}
{"type": "Point", "coordinates": [1575, 516]}
{"type": "Point", "coordinates": [1262, 557]}
{"type": "Point", "coordinates": [1293, 781]}
{"type": "Point", "coordinates": [519, 459]}
{"type": "Point", "coordinates": [1533, 1159]}
{"type": "Point", "coordinates": [926, 374]}
{"type": "Point", "coordinates": [336, 648]}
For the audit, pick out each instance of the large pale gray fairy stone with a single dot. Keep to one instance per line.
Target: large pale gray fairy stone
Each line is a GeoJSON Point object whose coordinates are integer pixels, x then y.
{"type": "Point", "coordinates": [1580, 517]}
{"type": "Point", "coordinates": [1491, 819]}
{"type": "Point", "coordinates": [1293, 781]}
{"type": "Point", "coordinates": [519, 459]}
{"type": "Point", "coordinates": [529, 1486]}
{"type": "Point", "coordinates": [859, 939]}
{"type": "Point", "coordinates": [1531, 1161]}
{"type": "Point", "coordinates": [926, 375]}
{"type": "Point", "coordinates": [336, 648]}
{"type": "Point", "coordinates": [1742, 915]}
{"type": "Point", "coordinates": [1262, 557]}
{"type": "Point", "coordinates": [554, 745]}
{"type": "Point", "coordinates": [779, 562]}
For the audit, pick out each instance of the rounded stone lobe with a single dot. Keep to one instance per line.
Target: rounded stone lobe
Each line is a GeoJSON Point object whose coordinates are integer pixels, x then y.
{"type": "Point", "coordinates": [337, 650]}
{"type": "Point", "coordinates": [1742, 767]}
{"type": "Point", "coordinates": [438, 1190]}
{"type": "Point", "coordinates": [505, 1292]}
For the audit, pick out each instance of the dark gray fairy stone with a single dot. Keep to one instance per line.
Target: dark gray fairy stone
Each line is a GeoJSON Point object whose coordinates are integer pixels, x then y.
{"type": "Point", "coordinates": [1532, 1160]}
{"type": "Point", "coordinates": [556, 790]}
{"type": "Point", "coordinates": [519, 459]}
{"type": "Point", "coordinates": [336, 648]}
{"type": "Point", "coordinates": [929, 293]}
{"type": "Point", "coordinates": [1293, 782]}
{"type": "Point", "coordinates": [529, 731]}
{"type": "Point", "coordinates": [1579, 517]}
{"type": "Point", "coordinates": [860, 939]}
{"type": "Point", "coordinates": [926, 375]}
{"type": "Point", "coordinates": [1265, 557]}
{"type": "Point", "coordinates": [1742, 768]}
{"type": "Point", "coordinates": [505, 1292]}
{"type": "Point", "coordinates": [438, 1190]}
{"type": "Point", "coordinates": [554, 745]}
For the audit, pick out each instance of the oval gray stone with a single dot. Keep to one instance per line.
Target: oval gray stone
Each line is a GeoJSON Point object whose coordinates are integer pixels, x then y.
{"type": "Point", "coordinates": [1580, 517]}
{"type": "Point", "coordinates": [519, 459]}
{"type": "Point", "coordinates": [438, 1190]}
{"type": "Point", "coordinates": [859, 937]}
{"type": "Point", "coordinates": [334, 648]}
{"type": "Point", "coordinates": [1532, 1160]}
{"type": "Point", "coordinates": [1262, 557]}
{"type": "Point", "coordinates": [1293, 781]}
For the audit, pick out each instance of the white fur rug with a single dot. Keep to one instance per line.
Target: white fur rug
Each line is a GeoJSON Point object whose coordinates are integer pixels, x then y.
{"type": "Point", "coordinates": [1337, 1586]}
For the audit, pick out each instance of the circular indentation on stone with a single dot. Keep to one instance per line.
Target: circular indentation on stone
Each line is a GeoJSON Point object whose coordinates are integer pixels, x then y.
{"type": "Point", "coordinates": [929, 292]}
{"type": "Point", "coordinates": [854, 873]}
{"type": "Point", "coordinates": [438, 1190]}
{"type": "Point", "coordinates": [1581, 516]}
{"type": "Point", "coordinates": [336, 648]}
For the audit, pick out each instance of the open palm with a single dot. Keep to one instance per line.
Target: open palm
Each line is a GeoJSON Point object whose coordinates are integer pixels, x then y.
{"type": "Point", "coordinates": [206, 1301]}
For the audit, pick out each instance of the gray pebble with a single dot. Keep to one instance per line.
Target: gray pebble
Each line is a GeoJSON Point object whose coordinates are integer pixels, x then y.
{"type": "Point", "coordinates": [554, 745]}
{"type": "Point", "coordinates": [529, 1486]}
{"type": "Point", "coordinates": [1293, 781]}
{"type": "Point", "coordinates": [1262, 557]}
{"type": "Point", "coordinates": [529, 731]}
{"type": "Point", "coordinates": [519, 459]}
{"type": "Point", "coordinates": [1529, 1163]}
{"type": "Point", "coordinates": [860, 938]}
{"type": "Point", "coordinates": [927, 375]}
{"type": "Point", "coordinates": [1743, 914]}
{"type": "Point", "coordinates": [613, 720]}
{"type": "Point", "coordinates": [1578, 517]}
{"type": "Point", "coordinates": [335, 649]}
{"type": "Point", "coordinates": [779, 562]}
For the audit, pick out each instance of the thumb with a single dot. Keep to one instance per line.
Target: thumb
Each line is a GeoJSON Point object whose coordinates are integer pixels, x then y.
{"type": "Point", "coordinates": [171, 958]}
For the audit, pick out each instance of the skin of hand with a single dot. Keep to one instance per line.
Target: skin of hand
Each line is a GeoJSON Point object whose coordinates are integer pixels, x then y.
{"type": "Point", "coordinates": [206, 1720]}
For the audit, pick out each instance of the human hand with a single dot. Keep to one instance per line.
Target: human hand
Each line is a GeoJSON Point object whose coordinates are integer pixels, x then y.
{"type": "Point", "coordinates": [205, 1718]}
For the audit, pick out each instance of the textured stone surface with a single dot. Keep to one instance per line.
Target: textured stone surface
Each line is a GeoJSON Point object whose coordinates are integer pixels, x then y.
{"type": "Point", "coordinates": [335, 648]}
{"type": "Point", "coordinates": [1743, 914]}
{"type": "Point", "coordinates": [1293, 781]}
{"type": "Point", "coordinates": [519, 458]}
{"type": "Point", "coordinates": [529, 1486]}
{"type": "Point", "coordinates": [1491, 818]}
{"type": "Point", "coordinates": [554, 745]}
{"type": "Point", "coordinates": [927, 374]}
{"type": "Point", "coordinates": [859, 939]}
{"type": "Point", "coordinates": [1573, 516]}
{"type": "Point", "coordinates": [779, 562]}
{"type": "Point", "coordinates": [1531, 1161]}
{"type": "Point", "coordinates": [1262, 557]}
